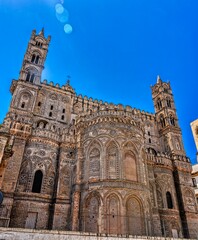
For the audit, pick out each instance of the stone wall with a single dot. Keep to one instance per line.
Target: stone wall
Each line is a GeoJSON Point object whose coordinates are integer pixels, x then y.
{"type": "Point", "coordinates": [27, 234]}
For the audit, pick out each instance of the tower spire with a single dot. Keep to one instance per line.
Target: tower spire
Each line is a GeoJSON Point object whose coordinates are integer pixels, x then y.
{"type": "Point", "coordinates": [42, 32]}
{"type": "Point", "coordinates": [159, 79]}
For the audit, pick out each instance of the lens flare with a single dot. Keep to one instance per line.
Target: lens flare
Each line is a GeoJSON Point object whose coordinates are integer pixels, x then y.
{"type": "Point", "coordinates": [63, 17]}
{"type": "Point", "coordinates": [59, 8]}
{"type": "Point", "coordinates": [68, 28]}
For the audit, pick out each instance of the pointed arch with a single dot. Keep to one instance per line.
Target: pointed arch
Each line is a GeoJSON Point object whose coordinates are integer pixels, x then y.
{"type": "Point", "coordinates": [159, 103]}
{"type": "Point", "coordinates": [94, 160]}
{"type": "Point", "coordinates": [135, 216]}
{"type": "Point", "coordinates": [168, 102]}
{"type": "Point", "coordinates": [91, 212]}
{"type": "Point", "coordinates": [33, 58]}
{"type": "Point", "coordinates": [172, 120]}
{"type": "Point", "coordinates": [31, 74]}
{"type": "Point", "coordinates": [37, 182]}
{"type": "Point", "coordinates": [113, 220]}
{"type": "Point", "coordinates": [112, 161]}
{"type": "Point", "coordinates": [37, 59]}
{"type": "Point", "coordinates": [162, 121]}
{"type": "Point", "coordinates": [130, 166]}
{"type": "Point", "coordinates": [94, 163]}
{"type": "Point", "coordinates": [131, 146]}
{"type": "Point", "coordinates": [169, 200]}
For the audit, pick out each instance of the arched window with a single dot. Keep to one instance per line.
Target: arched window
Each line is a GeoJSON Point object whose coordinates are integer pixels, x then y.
{"type": "Point", "coordinates": [112, 162]}
{"type": "Point", "coordinates": [162, 121]}
{"type": "Point", "coordinates": [94, 163]}
{"type": "Point", "coordinates": [194, 182]}
{"type": "Point", "coordinates": [23, 105]}
{"type": "Point", "coordinates": [92, 214]}
{"type": "Point", "coordinates": [37, 59]}
{"type": "Point", "coordinates": [169, 200]}
{"type": "Point", "coordinates": [159, 104]}
{"type": "Point", "coordinates": [33, 58]}
{"type": "Point", "coordinates": [28, 77]}
{"type": "Point", "coordinates": [32, 78]}
{"type": "Point", "coordinates": [168, 101]}
{"type": "Point", "coordinates": [172, 120]}
{"type": "Point", "coordinates": [37, 183]}
{"type": "Point", "coordinates": [135, 218]}
{"type": "Point", "coordinates": [130, 167]}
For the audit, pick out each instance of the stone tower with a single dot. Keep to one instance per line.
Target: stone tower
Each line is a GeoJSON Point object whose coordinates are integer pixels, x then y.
{"type": "Point", "coordinates": [166, 117]}
{"type": "Point", "coordinates": [34, 59]}
{"type": "Point", "coordinates": [171, 139]}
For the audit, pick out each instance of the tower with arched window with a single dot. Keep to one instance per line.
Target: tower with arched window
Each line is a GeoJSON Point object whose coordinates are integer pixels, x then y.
{"type": "Point", "coordinates": [166, 117]}
{"type": "Point", "coordinates": [34, 59]}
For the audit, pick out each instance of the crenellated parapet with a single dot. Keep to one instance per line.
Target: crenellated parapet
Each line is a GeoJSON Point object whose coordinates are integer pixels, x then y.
{"type": "Point", "coordinates": [88, 105]}
{"type": "Point", "coordinates": [182, 163]}
{"type": "Point", "coordinates": [66, 87]}
{"type": "Point", "coordinates": [159, 159]}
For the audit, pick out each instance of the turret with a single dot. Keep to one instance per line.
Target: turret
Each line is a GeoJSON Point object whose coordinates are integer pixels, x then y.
{"type": "Point", "coordinates": [34, 59]}
{"type": "Point", "coordinates": [166, 116]}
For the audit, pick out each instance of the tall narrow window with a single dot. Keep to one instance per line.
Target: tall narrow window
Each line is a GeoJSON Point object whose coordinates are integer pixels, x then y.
{"type": "Point", "coordinates": [149, 140]}
{"type": "Point", "coordinates": [32, 78]}
{"type": "Point", "coordinates": [37, 59]}
{"type": "Point", "coordinates": [194, 182]}
{"type": "Point", "coordinates": [169, 200]}
{"type": "Point", "coordinates": [63, 110]}
{"type": "Point", "coordinates": [28, 77]}
{"type": "Point", "coordinates": [168, 103]}
{"type": "Point", "coordinates": [39, 104]}
{"type": "Point", "coordinates": [162, 121]}
{"type": "Point", "coordinates": [33, 58]}
{"type": "Point", "coordinates": [172, 120]}
{"type": "Point", "coordinates": [23, 105]}
{"type": "Point", "coordinates": [51, 107]}
{"type": "Point", "coordinates": [50, 114]}
{"type": "Point", "coordinates": [63, 117]}
{"type": "Point", "coordinates": [159, 104]}
{"type": "Point", "coordinates": [37, 183]}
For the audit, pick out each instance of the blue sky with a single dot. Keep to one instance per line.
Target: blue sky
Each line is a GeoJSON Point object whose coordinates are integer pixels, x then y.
{"type": "Point", "coordinates": [114, 53]}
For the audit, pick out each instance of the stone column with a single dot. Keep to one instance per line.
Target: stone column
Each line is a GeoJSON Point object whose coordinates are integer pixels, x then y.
{"type": "Point", "coordinates": [76, 195]}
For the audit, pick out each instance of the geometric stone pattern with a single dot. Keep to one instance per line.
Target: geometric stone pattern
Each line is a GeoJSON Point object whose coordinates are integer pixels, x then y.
{"type": "Point", "coordinates": [73, 163]}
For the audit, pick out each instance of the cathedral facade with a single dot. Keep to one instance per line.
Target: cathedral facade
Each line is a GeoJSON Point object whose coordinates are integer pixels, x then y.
{"type": "Point", "coordinates": [69, 162]}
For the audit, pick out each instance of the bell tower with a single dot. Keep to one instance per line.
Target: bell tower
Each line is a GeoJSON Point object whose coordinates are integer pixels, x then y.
{"type": "Point", "coordinates": [166, 117]}
{"type": "Point", "coordinates": [34, 59]}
